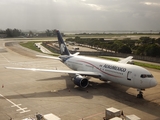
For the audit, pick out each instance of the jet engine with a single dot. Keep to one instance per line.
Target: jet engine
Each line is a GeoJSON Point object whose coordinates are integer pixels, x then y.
{"type": "Point", "coordinates": [80, 81]}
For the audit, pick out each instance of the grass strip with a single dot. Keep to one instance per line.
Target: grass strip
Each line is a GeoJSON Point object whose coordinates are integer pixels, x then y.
{"type": "Point", "coordinates": [148, 65]}
{"type": "Point", "coordinates": [110, 58]}
{"type": "Point", "coordinates": [31, 45]}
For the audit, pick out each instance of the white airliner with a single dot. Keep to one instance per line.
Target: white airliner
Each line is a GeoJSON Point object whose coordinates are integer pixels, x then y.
{"type": "Point", "coordinates": [117, 72]}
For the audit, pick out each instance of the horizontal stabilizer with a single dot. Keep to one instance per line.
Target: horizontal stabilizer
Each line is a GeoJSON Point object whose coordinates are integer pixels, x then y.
{"type": "Point", "coordinates": [50, 57]}
{"type": "Point", "coordinates": [126, 60]}
{"type": "Point", "coordinates": [77, 53]}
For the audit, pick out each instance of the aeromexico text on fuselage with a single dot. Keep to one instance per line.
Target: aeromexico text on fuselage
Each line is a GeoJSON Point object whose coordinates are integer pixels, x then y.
{"type": "Point", "coordinates": [112, 67]}
{"type": "Point", "coordinates": [121, 69]}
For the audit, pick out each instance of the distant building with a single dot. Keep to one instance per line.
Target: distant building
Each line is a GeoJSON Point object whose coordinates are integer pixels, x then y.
{"type": "Point", "coordinates": [42, 35]}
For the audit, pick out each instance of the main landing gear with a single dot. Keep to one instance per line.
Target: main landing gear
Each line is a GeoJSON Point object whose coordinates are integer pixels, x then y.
{"type": "Point", "coordinates": [140, 95]}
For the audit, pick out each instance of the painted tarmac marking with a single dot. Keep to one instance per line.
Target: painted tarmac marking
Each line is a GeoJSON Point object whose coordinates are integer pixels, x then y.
{"type": "Point", "coordinates": [22, 110]}
{"type": "Point", "coordinates": [16, 105]}
{"type": "Point", "coordinates": [5, 58]}
{"type": "Point", "coordinates": [92, 116]}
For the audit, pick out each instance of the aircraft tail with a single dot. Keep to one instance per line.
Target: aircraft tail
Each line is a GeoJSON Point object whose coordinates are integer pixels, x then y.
{"type": "Point", "coordinates": [62, 45]}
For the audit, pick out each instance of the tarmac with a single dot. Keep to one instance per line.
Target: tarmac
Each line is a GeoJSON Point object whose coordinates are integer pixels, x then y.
{"type": "Point", "coordinates": [25, 93]}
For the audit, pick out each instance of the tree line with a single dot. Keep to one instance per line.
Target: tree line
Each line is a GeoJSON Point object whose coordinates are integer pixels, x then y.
{"type": "Point", "coordinates": [145, 46]}
{"type": "Point", "coordinates": [12, 32]}
{"type": "Point", "coordinates": [18, 33]}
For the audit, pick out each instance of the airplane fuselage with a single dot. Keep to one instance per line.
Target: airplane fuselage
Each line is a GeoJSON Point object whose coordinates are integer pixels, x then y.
{"type": "Point", "coordinates": [125, 74]}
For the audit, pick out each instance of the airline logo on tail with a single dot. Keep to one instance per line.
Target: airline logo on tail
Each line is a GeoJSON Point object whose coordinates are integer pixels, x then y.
{"type": "Point", "coordinates": [62, 48]}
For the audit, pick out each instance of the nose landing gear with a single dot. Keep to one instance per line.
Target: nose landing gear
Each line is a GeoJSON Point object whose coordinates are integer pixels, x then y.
{"type": "Point", "coordinates": [140, 95]}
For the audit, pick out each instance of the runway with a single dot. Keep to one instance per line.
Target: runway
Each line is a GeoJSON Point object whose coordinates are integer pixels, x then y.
{"type": "Point", "coordinates": [24, 93]}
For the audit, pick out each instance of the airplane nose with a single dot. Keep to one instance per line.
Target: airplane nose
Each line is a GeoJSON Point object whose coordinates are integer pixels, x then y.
{"type": "Point", "coordinates": [153, 83]}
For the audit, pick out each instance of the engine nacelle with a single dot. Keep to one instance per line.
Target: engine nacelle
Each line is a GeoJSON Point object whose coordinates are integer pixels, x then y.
{"type": "Point", "coordinates": [81, 81]}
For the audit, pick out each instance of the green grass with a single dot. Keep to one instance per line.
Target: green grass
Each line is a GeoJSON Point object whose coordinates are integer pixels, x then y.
{"type": "Point", "coordinates": [109, 58]}
{"type": "Point", "coordinates": [147, 65]}
{"type": "Point", "coordinates": [30, 45]}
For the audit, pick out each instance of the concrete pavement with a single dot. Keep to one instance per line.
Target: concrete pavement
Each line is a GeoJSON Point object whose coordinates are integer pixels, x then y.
{"type": "Point", "coordinates": [23, 93]}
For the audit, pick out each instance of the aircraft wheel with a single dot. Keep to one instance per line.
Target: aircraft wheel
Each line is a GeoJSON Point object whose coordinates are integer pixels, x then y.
{"type": "Point", "coordinates": [72, 79]}
{"type": "Point", "coordinates": [140, 95]}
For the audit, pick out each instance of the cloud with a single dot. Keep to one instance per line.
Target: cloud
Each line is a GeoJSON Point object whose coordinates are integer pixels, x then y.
{"type": "Point", "coordinates": [71, 15]}
{"type": "Point", "coordinates": [152, 3]}
{"type": "Point", "coordinates": [96, 7]}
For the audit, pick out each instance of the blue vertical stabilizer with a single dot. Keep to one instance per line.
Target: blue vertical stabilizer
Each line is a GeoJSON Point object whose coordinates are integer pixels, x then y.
{"type": "Point", "coordinates": [62, 45]}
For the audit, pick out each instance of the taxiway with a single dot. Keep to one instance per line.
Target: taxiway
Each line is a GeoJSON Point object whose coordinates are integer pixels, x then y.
{"type": "Point", "coordinates": [24, 93]}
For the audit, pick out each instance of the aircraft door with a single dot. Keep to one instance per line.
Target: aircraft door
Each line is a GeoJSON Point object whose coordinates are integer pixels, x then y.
{"type": "Point", "coordinates": [129, 75]}
{"type": "Point", "coordinates": [132, 79]}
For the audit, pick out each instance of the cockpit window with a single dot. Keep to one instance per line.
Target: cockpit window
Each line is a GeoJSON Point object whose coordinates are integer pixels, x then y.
{"type": "Point", "coordinates": [143, 76]}
{"type": "Point", "coordinates": [146, 76]}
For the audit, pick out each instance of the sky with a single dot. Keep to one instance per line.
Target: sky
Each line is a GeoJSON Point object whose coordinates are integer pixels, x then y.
{"type": "Point", "coordinates": [80, 15]}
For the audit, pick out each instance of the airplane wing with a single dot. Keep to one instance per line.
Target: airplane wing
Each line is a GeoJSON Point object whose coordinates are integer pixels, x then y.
{"type": "Point", "coordinates": [126, 60]}
{"type": "Point", "coordinates": [87, 73]}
